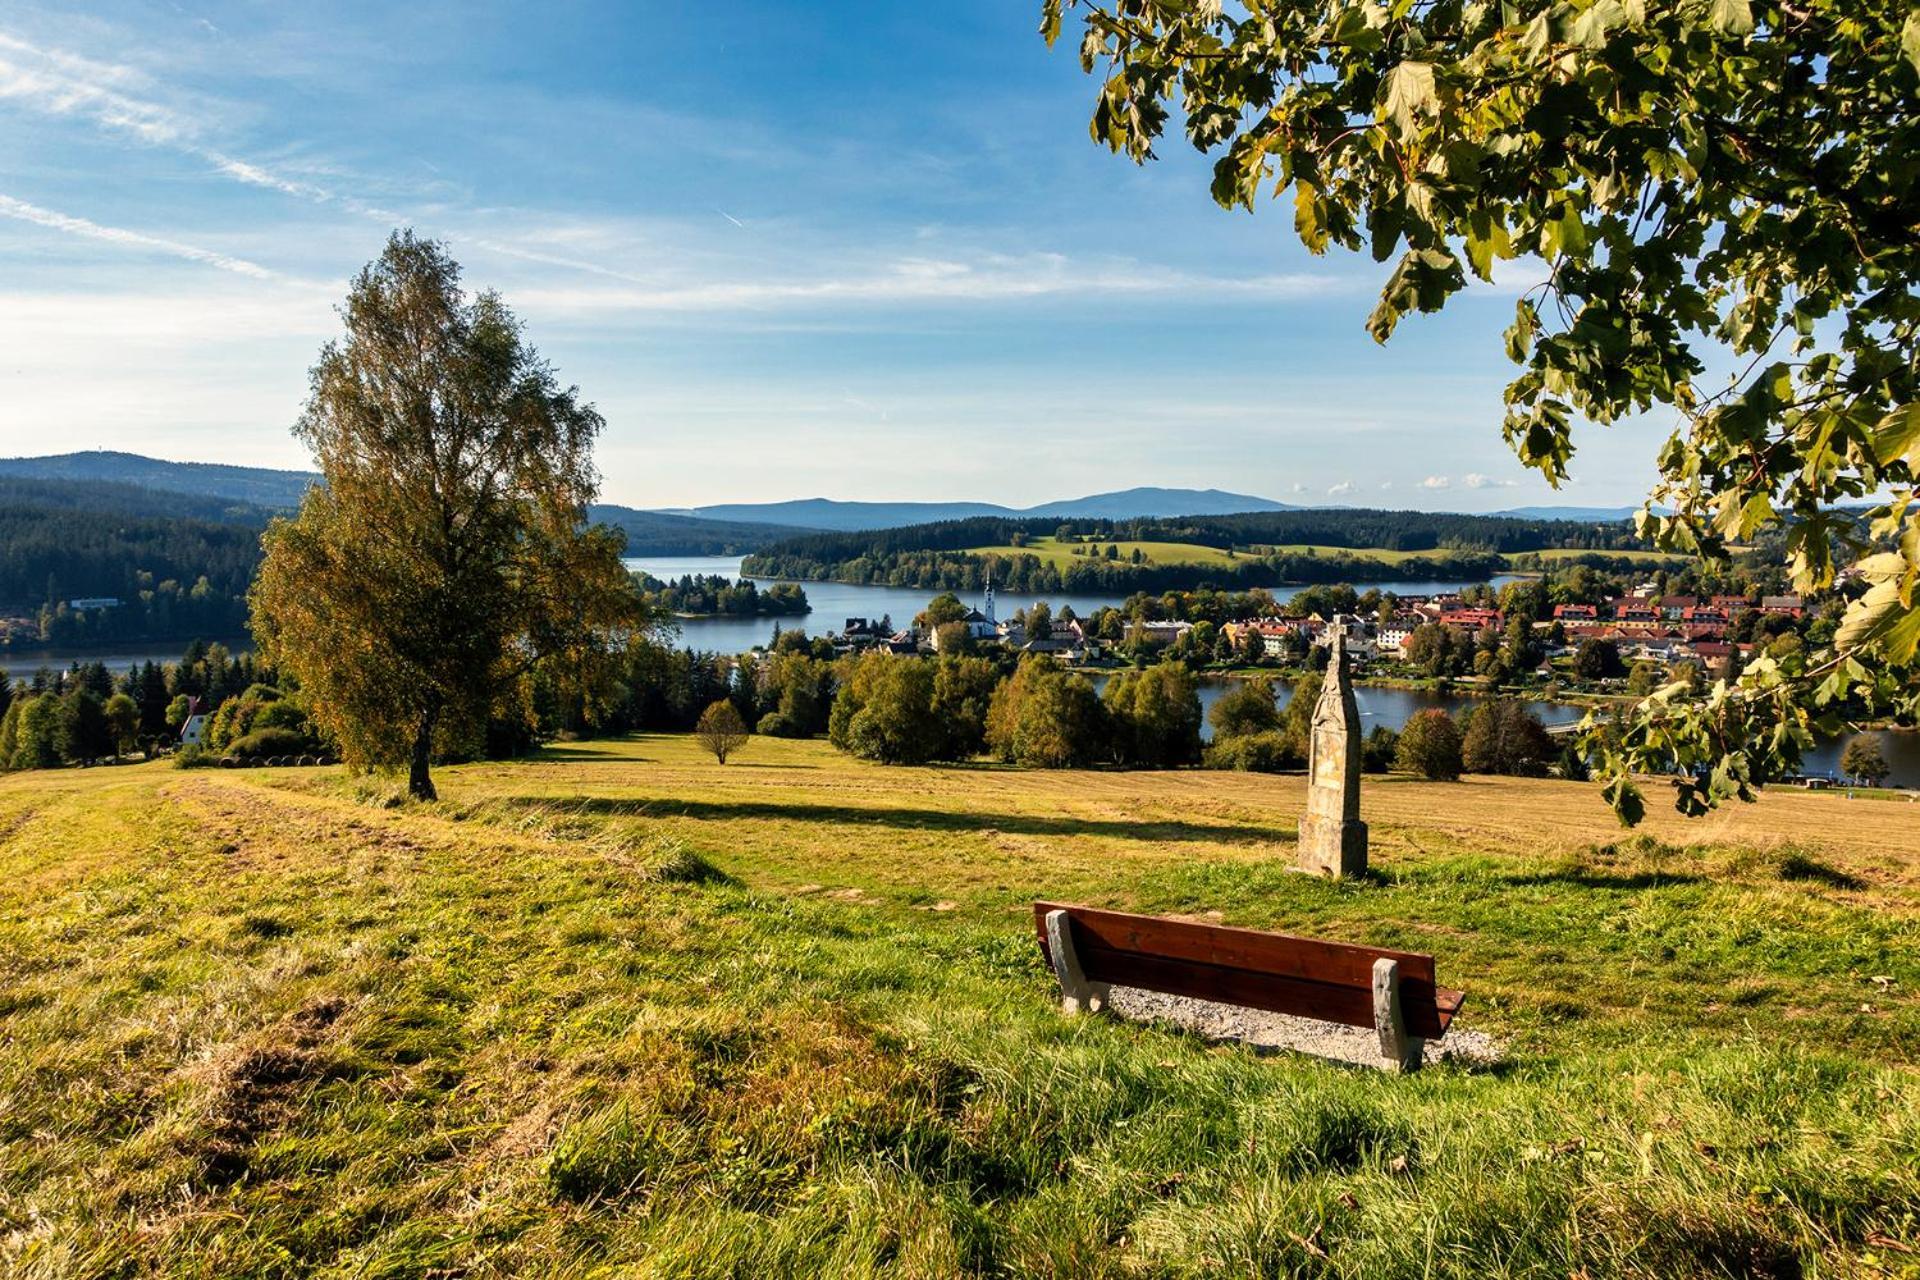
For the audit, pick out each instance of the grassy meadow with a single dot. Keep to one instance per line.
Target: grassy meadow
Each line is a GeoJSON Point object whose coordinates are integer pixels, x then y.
{"type": "Point", "coordinates": [619, 1011]}
{"type": "Point", "coordinates": [1060, 554]}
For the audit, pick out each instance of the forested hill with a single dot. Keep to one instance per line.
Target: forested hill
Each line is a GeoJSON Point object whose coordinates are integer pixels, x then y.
{"type": "Point", "coordinates": [131, 484]}
{"type": "Point", "coordinates": [178, 565]}
{"type": "Point", "coordinates": [1265, 545]}
{"type": "Point", "coordinates": [255, 486]}
{"type": "Point", "coordinates": [663, 533]}
{"type": "Point", "coordinates": [1355, 528]}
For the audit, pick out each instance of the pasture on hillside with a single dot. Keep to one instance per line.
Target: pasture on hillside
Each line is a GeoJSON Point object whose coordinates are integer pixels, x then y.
{"type": "Point", "coordinates": [618, 1010]}
{"type": "Point", "coordinates": [1061, 554]}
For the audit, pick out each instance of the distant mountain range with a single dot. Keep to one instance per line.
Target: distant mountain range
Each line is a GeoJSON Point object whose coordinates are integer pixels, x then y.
{"type": "Point", "coordinates": [111, 481]}
{"type": "Point", "coordinates": [847, 517]}
{"type": "Point", "coordinates": [722, 529]}
{"type": "Point", "coordinates": [1595, 515]}
{"type": "Point", "coordinates": [259, 486]}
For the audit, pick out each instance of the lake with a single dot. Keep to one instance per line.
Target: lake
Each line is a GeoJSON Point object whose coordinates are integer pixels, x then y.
{"type": "Point", "coordinates": [834, 602]}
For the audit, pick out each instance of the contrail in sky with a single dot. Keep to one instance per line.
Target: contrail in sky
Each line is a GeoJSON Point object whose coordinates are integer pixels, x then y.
{"type": "Point", "coordinates": [24, 212]}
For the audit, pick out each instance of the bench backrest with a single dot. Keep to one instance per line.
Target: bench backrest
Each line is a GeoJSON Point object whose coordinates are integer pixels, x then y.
{"type": "Point", "coordinates": [1332, 981]}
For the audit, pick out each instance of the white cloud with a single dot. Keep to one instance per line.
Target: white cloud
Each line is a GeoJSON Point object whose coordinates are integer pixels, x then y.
{"type": "Point", "coordinates": [988, 278]}
{"type": "Point", "coordinates": [1299, 487]}
{"type": "Point", "coordinates": [1342, 489]}
{"type": "Point", "coordinates": [1386, 484]}
{"type": "Point", "coordinates": [1474, 480]}
{"type": "Point", "coordinates": [64, 84]}
{"type": "Point", "coordinates": [1436, 482]}
{"type": "Point", "coordinates": [24, 212]}
{"type": "Point", "coordinates": [120, 99]}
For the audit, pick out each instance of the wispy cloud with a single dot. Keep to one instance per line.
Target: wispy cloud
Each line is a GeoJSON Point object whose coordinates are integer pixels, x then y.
{"type": "Point", "coordinates": [124, 100]}
{"type": "Point", "coordinates": [928, 280]}
{"type": "Point", "coordinates": [1474, 480]}
{"type": "Point", "coordinates": [1342, 489]}
{"type": "Point", "coordinates": [21, 211]}
{"type": "Point", "coordinates": [1436, 482]}
{"type": "Point", "coordinates": [64, 84]}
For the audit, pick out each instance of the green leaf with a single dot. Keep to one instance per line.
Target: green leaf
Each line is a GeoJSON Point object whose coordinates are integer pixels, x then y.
{"type": "Point", "coordinates": [1308, 218]}
{"type": "Point", "coordinates": [1589, 30]}
{"type": "Point", "coordinates": [1410, 94]}
{"type": "Point", "coordinates": [1734, 17]}
{"type": "Point", "coordinates": [1050, 20]}
{"type": "Point", "coordinates": [1423, 279]}
{"type": "Point", "coordinates": [1888, 615]}
{"type": "Point", "coordinates": [1898, 436]}
{"type": "Point", "coordinates": [1526, 323]}
{"type": "Point", "coordinates": [1487, 240]}
{"type": "Point", "coordinates": [1627, 802]}
{"type": "Point", "coordinates": [1910, 39]}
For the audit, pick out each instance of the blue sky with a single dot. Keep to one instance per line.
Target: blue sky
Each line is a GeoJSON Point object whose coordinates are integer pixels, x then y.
{"type": "Point", "coordinates": [860, 250]}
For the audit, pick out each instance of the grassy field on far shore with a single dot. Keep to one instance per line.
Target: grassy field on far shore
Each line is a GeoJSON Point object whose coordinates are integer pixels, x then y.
{"type": "Point", "coordinates": [619, 1011]}
{"type": "Point", "coordinates": [1060, 554]}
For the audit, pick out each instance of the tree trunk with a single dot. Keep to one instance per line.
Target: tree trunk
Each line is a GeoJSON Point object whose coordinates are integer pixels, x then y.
{"type": "Point", "coordinates": [419, 780]}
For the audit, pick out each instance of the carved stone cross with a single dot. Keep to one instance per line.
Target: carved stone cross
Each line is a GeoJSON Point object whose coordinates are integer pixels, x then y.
{"type": "Point", "coordinates": [1333, 840]}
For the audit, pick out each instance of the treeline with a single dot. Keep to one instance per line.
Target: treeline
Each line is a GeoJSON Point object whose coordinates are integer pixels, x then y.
{"type": "Point", "coordinates": [905, 709]}
{"type": "Point", "coordinates": [712, 594]}
{"type": "Point", "coordinates": [959, 571]}
{"type": "Point", "coordinates": [1408, 531]}
{"type": "Point", "coordinates": [87, 713]}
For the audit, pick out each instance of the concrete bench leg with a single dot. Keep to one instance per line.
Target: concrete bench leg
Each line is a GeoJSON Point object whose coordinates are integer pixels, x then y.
{"type": "Point", "coordinates": [1399, 1051]}
{"type": "Point", "coordinates": [1077, 995]}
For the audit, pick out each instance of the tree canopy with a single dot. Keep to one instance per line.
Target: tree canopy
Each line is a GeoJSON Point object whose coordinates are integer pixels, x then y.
{"type": "Point", "coordinates": [446, 554]}
{"type": "Point", "coordinates": [1714, 209]}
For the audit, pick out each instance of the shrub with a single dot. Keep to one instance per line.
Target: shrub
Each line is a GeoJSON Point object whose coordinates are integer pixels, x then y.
{"type": "Point", "coordinates": [267, 743]}
{"type": "Point", "coordinates": [279, 713]}
{"type": "Point", "coordinates": [1271, 752]}
{"type": "Point", "coordinates": [884, 711]}
{"type": "Point", "coordinates": [962, 694]}
{"type": "Point", "coordinates": [721, 730]}
{"type": "Point", "coordinates": [1046, 718]}
{"type": "Point", "coordinates": [1379, 749]}
{"type": "Point", "coordinates": [1502, 736]}
{"type": "Point", "coordinates": [1430, 746]}
{"type": "Point", "coordinates": [194, 756]}
{"type": "Point", "coordinates": [1249, 706]}
{"type": "Point", "coordinates": [776, 725]}
{"type": "Point", "coordinates": [668, 860]}
{"type": "Point", "coordinates": [1154, 716]}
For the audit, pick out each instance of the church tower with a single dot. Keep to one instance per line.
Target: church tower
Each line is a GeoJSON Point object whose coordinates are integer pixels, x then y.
{"type": "Point", "coordinates": [989, 609]}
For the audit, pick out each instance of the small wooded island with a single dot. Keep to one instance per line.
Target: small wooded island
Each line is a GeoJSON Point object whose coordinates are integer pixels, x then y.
{"type": "Point", "coordinates": [713, 595]}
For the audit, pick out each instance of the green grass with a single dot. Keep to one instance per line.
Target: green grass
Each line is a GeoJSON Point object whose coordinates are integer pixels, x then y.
{"type": "Point", "coordinates": [621, 1011]}
{"type": "Point", "coordinates": [1060, 554]}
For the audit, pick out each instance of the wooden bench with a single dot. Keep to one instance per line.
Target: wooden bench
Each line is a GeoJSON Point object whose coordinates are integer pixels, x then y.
{"type": "Point", "coordinates": [1393, 992]}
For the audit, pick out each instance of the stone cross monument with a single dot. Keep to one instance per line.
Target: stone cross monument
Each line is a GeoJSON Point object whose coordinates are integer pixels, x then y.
{"type": "Point", "coordinates": [1333, 840]}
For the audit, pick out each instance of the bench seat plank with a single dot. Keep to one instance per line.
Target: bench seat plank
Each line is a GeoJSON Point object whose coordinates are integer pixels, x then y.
{"type": "Point", "coordinates": [1331, 981]}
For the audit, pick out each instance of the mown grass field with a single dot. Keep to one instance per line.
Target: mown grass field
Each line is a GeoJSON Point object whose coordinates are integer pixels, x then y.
{"type": "Point", "coordinates": [620, 1011]}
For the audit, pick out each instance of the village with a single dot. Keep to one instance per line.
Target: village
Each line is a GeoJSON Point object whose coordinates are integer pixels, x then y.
{"type": "Point", "coordinates": [1717, 634]}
